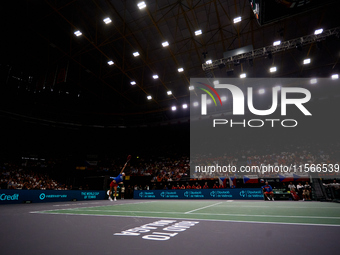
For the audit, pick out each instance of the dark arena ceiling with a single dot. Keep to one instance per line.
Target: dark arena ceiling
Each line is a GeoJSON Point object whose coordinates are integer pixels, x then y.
{"type": "Point", "coordinates": [51, 76]}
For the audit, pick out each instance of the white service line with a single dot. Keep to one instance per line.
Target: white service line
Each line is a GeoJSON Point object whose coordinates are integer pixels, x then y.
{"type": "Point", "coordinates": [233, 221]}
{"type": "Point", "coordinates": [79, 204]}
{"type": "Point", "coordinates": [203, 208]}
{"type": "Point", "coordinates": [212, 214]}
{"type": "Point", "coordinates": [103, 205]}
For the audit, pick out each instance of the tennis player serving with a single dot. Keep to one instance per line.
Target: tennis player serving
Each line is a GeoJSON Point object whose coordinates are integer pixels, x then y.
{"type": "Point", "coordinates": [117, 180]}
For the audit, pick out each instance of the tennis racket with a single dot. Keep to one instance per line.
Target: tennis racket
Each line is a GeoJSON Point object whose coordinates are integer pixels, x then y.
{"type": "Point", "coordinates": [128, 159]}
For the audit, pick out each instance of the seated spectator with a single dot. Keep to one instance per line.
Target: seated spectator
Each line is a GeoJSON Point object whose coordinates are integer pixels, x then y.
{"type": "Point", "coordinates": [198, 186]}
{"type": "Point", "coordinates": [215, 186]}
{"type": "Point", "coordinates": [284, 187]}
{"type": "Point", "coordinates": [206, 186]}
{"type": "Point", "coordinates": [307, 185]}
{"type": "Point", "coordinates": [306, 194]}
{"type": "Point", "coordinates": [188, 186]}
{"type": "Point", "coordinates": [299, 189]}
{"type": "Point", "coordinates": [291, 186]}
{"type": "Point", "coordinates": [182, 187]}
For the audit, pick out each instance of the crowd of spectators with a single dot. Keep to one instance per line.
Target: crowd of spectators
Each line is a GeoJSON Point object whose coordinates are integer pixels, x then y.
{"type": "Point", "coordinates": [291, 155]}
{"type": "Point", "coordinates": [32, 173]}
{"type": "Point", "coordinates": [167, 170]}
{"type": "Point", "coordinates": [15, 177]}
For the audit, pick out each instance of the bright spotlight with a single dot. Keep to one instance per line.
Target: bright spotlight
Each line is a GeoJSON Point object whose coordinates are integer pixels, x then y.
{"type": "Point", "coordinates": [306, 61]}
{"type": "Point", "coordinates": [78, 33]}
{"type": "Point", "coordinates": [107, 20]}
{"type": "Point", "coordinates": [318, 31]}
{"type": "Point", "coordinates": [238, 19]}
{"type": "Point", "coordinates": [141, 5]}
{"type": "Point", "coordinates": [276, 43]}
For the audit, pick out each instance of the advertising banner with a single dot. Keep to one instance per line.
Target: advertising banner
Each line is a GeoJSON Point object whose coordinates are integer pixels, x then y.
{"type": "Point", "coordinates": [229, 194]}
{"type": "Point", "coordinates": [41, 196]}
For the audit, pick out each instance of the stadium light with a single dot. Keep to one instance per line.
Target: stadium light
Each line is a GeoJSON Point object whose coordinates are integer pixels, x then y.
{"type": "Point", "coordinates": [110, 62]}
{"type": "Point", "coordinates": [133, 83]}
{"type": "Point", "coordinates": [262, 91]}
{"type": "Point", "coordinates": [276, 43]}
{"type": "Point", "coordinates": [272, 69]}
{"type": "Point", "coordinates": [208, 62]}
{"type": "Point", "coordinates": [185, 106]}
{"type": "Point", "coordinates": [78, 33]}
{"type": "Point", "coordinates": [155, 76]}
{"type": "Point", "coordinates": [107, 20]}
{"type": "Point", "coordinates": [318, 31]}
{"type": "Point", "coordinates": [174, 108]}
{"type": "Point", "coordinates": [238, 19]}
{"type": "Point", "coordinates": [141, 5]}
{"type": "Point", "coordinates": [169, 92]}
{"type": "Point", "coordinates": [278, 87]}
{"type": "Point", "coordinates": [224, 98]}
{"type": "Point", "coordinates": [243, 75]}
{"type": "Point", "coordinates": [198, 32]}
{"type": "Point", "coordinates": [180, 70]}
{"type": "Point", "coordinates": [195, 104]}
{"type": "Point", "coordinates": [335, 76]}
{"type": "Point", "coordinates": [209, 101]}
{"type": "Point", "coordinates": [191, 87]}
{"type": "Point", "coordinates": [165, 44]}
{"type": "Point", "coordinates": [136, 54]}
{"type": "Point", "coordinates": [149, 97]}
{"type": "Point", "coordinates": [306, 61]}
{"type": "Point", "coordinates": [216, 82]}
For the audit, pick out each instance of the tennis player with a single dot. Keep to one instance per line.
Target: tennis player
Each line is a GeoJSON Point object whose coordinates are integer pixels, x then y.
{"type": "Point", "coordinates": [268, 190]}
{"type": "Point", "coordinates": [114, 184]}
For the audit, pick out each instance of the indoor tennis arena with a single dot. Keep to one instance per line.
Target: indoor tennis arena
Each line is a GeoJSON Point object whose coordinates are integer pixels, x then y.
{"type": "Point", "coordinates": [170, 127]}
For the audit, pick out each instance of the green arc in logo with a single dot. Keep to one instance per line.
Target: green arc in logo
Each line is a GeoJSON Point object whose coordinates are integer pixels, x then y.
{"type": "Point", "coordinates": [209, 95]}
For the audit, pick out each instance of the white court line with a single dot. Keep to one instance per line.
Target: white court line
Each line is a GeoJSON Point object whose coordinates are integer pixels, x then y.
{"type": "Point", "coordinates": [203, 207]}
{"type": "Point", "coordinates": [79, 204]}
{"type": "Point", "coordinates": [235, 221]}
{"type": "Point", "coordinates": [279, 207]}
{"type": "Point", "coordinates": [93, 206]}
{"type": "Point", "coordinates": [216, 214]}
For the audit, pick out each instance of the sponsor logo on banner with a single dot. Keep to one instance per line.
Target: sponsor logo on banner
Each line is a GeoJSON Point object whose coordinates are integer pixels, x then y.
{"type": "Point", "coordinates": [9, 197]}
{"type": "Point", "coordinates": [42, 196]}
